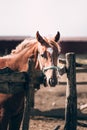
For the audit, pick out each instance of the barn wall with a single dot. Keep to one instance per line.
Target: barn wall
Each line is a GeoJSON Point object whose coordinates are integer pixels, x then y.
{"type": "Point", "coordinates": [7, 46]}
{"type": "Point", "coordinates": [79, 47]}
{"type": "Point", "coordinates": [8, 43]}
{"type": "Point", "coordinates": [70, 45]}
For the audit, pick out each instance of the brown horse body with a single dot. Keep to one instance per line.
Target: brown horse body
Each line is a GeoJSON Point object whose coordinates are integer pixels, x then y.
{"type": "Point", "coordinates": [45, 54]}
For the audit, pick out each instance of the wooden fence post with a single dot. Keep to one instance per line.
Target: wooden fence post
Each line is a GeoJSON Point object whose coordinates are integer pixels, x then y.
{"type": "Point", "coordinates": [28, 96]}
{"type": "Point", "coordinates": [71, 94]}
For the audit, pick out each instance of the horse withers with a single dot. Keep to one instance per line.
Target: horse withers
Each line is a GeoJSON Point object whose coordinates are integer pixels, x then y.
{"type": "Point", "coordinates": [44, 52]}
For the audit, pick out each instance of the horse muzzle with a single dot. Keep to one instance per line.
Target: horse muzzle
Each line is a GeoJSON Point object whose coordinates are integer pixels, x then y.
{"type": "Point", "coordinates": [51, 75]}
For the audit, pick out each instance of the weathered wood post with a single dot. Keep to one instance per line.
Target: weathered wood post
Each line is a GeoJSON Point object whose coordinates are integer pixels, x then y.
{"type": "Point", "coordinates": [71, 94]}
{"type": "Point", "coordinates": [28, 96]}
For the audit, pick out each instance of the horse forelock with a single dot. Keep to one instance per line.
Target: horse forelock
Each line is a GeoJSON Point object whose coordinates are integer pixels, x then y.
{"type": "Point", "coordinates": [52, 43]}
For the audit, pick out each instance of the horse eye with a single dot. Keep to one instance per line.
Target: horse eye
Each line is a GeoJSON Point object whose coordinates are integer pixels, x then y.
{"type": "Point", "coordinates": [44, 55]}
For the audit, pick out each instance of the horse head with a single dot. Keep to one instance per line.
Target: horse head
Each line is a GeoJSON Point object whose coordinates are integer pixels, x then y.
{"type": "Point", "coordinates": [44, 52]}
{"type": "Point", "coordinates": [48, 52]}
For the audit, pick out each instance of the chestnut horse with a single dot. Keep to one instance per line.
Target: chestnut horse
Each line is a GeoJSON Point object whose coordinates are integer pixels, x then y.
{"type": "Point", "coordinates": [45, 54]}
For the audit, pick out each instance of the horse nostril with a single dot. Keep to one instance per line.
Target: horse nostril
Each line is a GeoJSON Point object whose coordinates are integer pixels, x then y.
{"type": "Point", "coordinates": [52, 82]}
{"type": "Point", "coordinates": [45, 81]}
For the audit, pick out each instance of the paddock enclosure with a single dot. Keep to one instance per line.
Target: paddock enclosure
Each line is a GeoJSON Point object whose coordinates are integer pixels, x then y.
{"type": "Point", "coordinates": [49, 110]}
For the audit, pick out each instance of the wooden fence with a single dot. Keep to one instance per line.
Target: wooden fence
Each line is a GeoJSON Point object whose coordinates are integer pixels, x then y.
{"type": "Point", "coordinates": [12, 82]}
{"type": "Point", "coordinates": [31, 78]}
{"type": "Point", "coordinates": [71, 93]}
{"type": "Point", "coordinates": [80, 68]}
{"type": "Point", "coordinates": [70, 69]}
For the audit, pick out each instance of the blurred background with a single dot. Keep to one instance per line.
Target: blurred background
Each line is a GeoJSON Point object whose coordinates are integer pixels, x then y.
{"type": "Point", "coordinates": [22, 18]}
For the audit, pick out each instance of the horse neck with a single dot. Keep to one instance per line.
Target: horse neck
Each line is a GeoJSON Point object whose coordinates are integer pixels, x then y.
{"type": "Point", "coordinates": [19, 61]}
{"type": "Point", "coordinates": [33, 54]}
{"type": "Point", "coordinates": [29, 53]}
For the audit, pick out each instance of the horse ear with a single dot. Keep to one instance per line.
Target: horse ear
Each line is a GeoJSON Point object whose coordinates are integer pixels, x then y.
{"type": "Point", "coordinates": [57, 37]}
{"type": "Point", "coordinates": [39, 38]}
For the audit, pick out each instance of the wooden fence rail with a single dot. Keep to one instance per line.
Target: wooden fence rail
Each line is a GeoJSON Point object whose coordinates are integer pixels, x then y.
{"type": "Point", "coordinates": [12, 82]}
{"type": "Point", "coordinates": [63, 61]}
{"type": "Point", "coordinates": [80, 68]}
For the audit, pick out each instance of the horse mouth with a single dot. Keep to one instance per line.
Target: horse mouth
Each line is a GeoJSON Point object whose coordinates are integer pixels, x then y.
{"type": "Point", "coordinates": [51, 82]}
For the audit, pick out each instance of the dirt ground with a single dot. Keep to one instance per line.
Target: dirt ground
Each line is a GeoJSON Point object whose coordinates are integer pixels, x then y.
{"type": "Point", "coordinates": [49, 109]}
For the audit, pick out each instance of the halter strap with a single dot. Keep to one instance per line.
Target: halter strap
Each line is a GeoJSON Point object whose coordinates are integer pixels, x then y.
{"type": "Point", "coordinates": [51, 67]}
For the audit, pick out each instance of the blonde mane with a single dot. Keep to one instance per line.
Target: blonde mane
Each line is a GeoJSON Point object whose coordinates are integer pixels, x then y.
{"type": "Point", "coordinates": [24, 44]}
{"type": "Point", "coordinates": [28, 42]}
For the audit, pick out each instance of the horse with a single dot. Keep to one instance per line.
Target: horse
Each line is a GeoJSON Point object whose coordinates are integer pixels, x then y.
{"type": "Point", "coordinates": [44, 52]}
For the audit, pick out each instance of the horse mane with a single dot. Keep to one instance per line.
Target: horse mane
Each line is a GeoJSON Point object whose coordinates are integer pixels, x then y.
{"type": "Point", "coordinates": [28, 42]}
{"type": "Point", "coordinates": [24, 44]}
